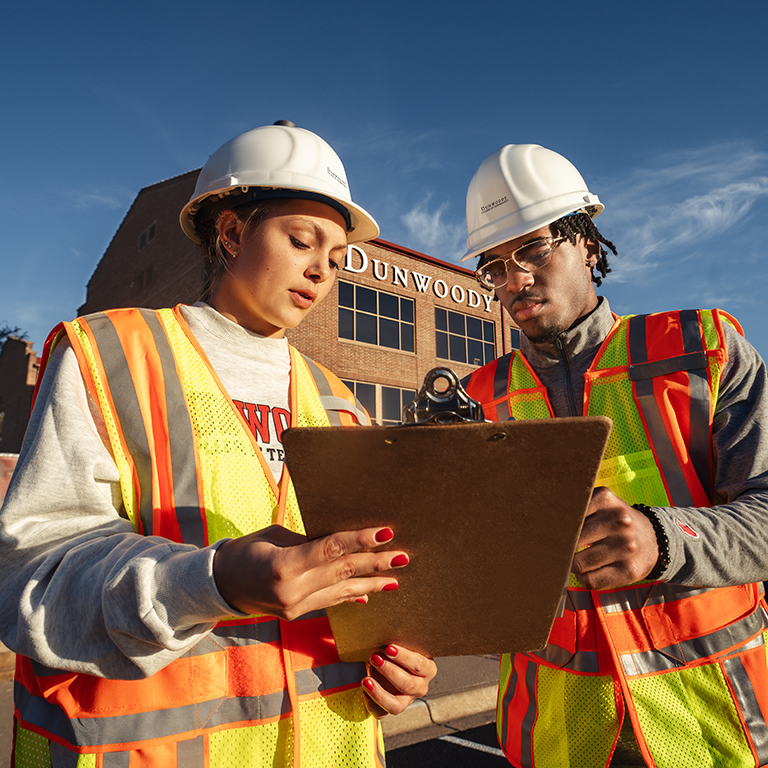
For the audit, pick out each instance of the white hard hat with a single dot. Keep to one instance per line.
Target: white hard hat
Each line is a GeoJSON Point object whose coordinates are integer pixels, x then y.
{"type": "Point", "coordinates": [274, 161]}
{"type": "Point", "coordinates": [519, 189]}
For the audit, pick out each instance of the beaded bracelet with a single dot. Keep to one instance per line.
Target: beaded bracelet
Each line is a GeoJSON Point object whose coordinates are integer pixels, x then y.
{"type": "Point", "coordinates": [661, 541]}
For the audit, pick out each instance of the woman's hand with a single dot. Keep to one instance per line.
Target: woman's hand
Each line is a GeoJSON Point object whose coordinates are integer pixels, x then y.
{"type": "Point", "coordinates": [279, 573]}
{"type": "Point", "coordinates": [397, 677]}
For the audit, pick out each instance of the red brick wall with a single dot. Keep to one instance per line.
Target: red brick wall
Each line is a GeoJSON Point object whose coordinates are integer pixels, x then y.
{"type": "Point", "coordinates": [7, 465]}
{"type": "Point", "coordinates": [19, 366]}
{"type": "Point", "coordinates": [317, 336]}
{"type": "Point", "coordinates": [166, 271]}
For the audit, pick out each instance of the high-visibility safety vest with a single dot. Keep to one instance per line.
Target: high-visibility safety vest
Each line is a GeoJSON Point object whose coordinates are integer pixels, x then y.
{"type": "Point", "coordinates": [257, 691]}
{"type": "Point", "coordinates": [687, 664]}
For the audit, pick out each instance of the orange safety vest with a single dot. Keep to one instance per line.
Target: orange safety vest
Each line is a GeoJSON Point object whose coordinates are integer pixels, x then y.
{"type": "Point", "coordinates": [689, 663]}
{"type": "Point", "coordinates": [254, 691]}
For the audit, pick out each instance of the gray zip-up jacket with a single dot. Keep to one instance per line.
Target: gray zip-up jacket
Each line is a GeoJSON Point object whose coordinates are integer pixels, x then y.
{"type": "Point", "coordinates": [732, 547]}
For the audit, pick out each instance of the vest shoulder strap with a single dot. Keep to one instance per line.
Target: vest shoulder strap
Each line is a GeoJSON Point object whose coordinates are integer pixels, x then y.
{"type": "Point", "coordinates": [335, 396]}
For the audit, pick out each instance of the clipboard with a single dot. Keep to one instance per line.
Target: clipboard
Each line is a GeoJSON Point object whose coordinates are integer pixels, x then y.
{"type": "Point", "coordinates": [489, 514]}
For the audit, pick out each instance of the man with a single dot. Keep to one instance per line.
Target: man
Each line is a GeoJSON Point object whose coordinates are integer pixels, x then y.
{"type": "Point", "coordinates": [658, 656]}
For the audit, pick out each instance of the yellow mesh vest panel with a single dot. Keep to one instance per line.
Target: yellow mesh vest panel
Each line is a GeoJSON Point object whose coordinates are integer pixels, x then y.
{"type": "Point", "coordinates": [565, 732]}
{"type": "Point", "coordinates": [522, 404]}
{"type": "Point", "coordinates": [337, 731]}
{"type": "Point", "coordinates": [238, 496]}
{"type": "Point", "coordinates": [31, 750]}
{"type": "Point", "coordinates": [628, 468]}
{"type": "Point", "coordinates": [707, 731]}
{"type": "Point", "coordinates": [241, 746]}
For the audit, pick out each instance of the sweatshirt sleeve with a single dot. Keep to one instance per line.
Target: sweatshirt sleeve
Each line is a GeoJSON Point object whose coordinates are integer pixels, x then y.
{"type": "Point", "coordinates": [727, 544]}
{"type": "Point", "coordinates": [80, 589]}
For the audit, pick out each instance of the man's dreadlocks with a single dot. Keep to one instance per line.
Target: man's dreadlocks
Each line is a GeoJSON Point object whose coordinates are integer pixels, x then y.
{"type": "Point", "coordinates": [574, 225]}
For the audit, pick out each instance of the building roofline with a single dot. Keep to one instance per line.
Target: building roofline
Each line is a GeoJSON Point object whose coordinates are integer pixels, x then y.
{"type": "Point", "coordinates": [421, 256]}
{"type": "Point", "coordinates": [170, 178]}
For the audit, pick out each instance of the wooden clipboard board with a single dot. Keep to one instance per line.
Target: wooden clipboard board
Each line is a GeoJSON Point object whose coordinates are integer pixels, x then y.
{"type": "Point", "coordinates": [489, 514]}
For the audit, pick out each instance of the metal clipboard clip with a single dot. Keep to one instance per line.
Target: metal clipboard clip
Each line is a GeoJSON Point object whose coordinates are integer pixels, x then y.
{"type": "Point", "coordinates": [447, 403]}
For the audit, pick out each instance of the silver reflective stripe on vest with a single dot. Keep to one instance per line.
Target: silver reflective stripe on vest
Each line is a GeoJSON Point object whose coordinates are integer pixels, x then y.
{"type": "Point", "coordinates": [750, 709]}
{"type": "Point", "coordinates": [162, 724]}
{"type": "Point", "coordinates": [688, 651]}
{"type": "Point", "coordinates": [336, 403]}
{"type": "Point", "coordinates": [179, 426]}
{"type": "Point", "coordinates": [585, 662]}
{"type": "Point", "coordinates": [120, 760]}
{"type": "Point", "coordinates": [578, 661]}
{"type": "Point", "coordinates": [698, 379]}
{"type": "Point", "coordinates": [635, 598]}
{"type": "Point", "coordinates": [247, 634]}
{"type": "Point", "coordinates": [182, 444]}
{"type": "Point", "coordinates": [328, 677]}
{"type": "Point", "coordinates": [127, 405]}
{"type": "Point", "coordinates": [501, 387]}
{"type": "Point", "coordinates": [191, 753]}
{"type": "Point", "coordinates": [526, 727]}
{"type": "Point", "coordinates": [333, 403]}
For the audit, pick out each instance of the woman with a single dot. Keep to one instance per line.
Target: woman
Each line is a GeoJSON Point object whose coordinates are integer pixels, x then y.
{"type": "Point", "coordinates": [165, 605]}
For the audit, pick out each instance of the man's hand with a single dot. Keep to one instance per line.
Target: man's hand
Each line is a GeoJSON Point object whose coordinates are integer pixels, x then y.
{"type": "Point", "coordinates": [620, 544]}
{"type": "Point", "coordinates": [279, 573]}
{"type": "Point", "coordinates": [397, 677]}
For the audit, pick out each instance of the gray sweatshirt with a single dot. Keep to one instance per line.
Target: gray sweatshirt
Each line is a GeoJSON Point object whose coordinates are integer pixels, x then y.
{"type": "Point", "coordinates": [732, 547]}
{"type": "Point", "coordinates": [80, 590]}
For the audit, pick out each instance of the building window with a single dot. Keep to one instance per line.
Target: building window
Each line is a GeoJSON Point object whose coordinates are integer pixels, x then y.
{"type": "Point", "coordinates": [375, 317]}
{"type": "Point", "coordinates": [384, 404]}
{"type": "Point", "coordinates": [514, 338]}
{"type": "Point", "coordinates": [142, 281]}
{"type": "Point", "coordinates": [463, 338]}
{"type": "Point", "coordinates": [148, 235]}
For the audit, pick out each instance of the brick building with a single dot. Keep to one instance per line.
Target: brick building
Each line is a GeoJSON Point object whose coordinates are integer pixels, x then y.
{"type": "Point", "coordinates": [19, 366]}
{"type": "Point", "coordinates": [393, 314]}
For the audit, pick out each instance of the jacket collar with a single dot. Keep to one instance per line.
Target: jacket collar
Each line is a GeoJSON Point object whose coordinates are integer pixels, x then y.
{"type": "Point", "coordinates": [582, 338]}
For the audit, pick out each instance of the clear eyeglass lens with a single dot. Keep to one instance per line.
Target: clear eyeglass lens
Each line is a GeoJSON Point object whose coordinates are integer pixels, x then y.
{"type": "Point", "coordinates": [535, 255]}
{"type": "Point", "coordinates": [530, 257]}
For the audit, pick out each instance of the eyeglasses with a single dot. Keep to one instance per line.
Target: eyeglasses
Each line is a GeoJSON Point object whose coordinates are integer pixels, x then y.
{"type": "Point", "coordinates": [529, 258]}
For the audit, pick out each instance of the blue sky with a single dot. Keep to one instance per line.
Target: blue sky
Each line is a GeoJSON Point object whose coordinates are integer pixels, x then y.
{"type": "Point", "coordinates": [662, 106]}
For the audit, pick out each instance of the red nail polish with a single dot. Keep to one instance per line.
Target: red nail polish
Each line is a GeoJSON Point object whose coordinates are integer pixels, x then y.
{"type": "Point", "coordinates": [368, 684]}
{"type": "Point", "coordinates": [398, 561]}
{"type": "Point", "coordinates": [363, 599]}
{"type": "Point", "coordinates": [391, 651]}
{"type": "Point", "coordinates": [393, 585]}
{"type": "Point", "coordinates": [376, 660]}
{"type": "Point", "coordinates": [385, 534]}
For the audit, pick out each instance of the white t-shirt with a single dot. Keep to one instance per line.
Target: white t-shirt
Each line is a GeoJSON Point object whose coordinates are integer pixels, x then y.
{"type": "Point", "coordinates": [254, 370]}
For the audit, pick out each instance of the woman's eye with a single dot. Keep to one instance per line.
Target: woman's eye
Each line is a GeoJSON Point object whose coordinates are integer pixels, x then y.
{"type": "Point", "coordinates": [297, 243]}
{"type": "Point", "coordinates": [334, 264]}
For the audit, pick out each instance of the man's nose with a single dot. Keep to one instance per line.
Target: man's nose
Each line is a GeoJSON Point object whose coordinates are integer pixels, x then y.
{"type": "Point", "coordinates": [517, 279]}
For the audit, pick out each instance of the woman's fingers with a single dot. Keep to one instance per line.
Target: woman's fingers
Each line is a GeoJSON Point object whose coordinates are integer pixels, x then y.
{"type": "Point", "coordinates": [277, 572]}
{"type": "Point", "coordinates": [397, 677]}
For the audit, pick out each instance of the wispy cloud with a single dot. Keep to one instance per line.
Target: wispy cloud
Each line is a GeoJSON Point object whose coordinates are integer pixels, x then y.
{"type": "Point", "coordinates": [430, 233]}
{"type": "Point", "coordinates": [97, 199]}
{"type": "Point", "coordinates": [682, 200]}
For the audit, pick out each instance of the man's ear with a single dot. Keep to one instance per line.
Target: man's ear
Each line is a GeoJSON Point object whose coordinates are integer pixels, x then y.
{"type": "Point", "coordinates": [593, 252]}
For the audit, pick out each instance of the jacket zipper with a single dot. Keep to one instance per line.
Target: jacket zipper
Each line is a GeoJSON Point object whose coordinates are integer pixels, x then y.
{"type": "Point", "coordinates": [568, 377]}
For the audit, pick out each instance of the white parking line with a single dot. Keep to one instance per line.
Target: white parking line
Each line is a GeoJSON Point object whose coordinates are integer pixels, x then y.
{"type": "Point", "coordinates": [472, 745]}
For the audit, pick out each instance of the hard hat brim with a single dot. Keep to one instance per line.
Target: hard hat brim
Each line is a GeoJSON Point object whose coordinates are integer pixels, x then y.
{"type": "Point", "coordinates": [503, 234]}
{"type": "Point", "coordinates": [364, 226]}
